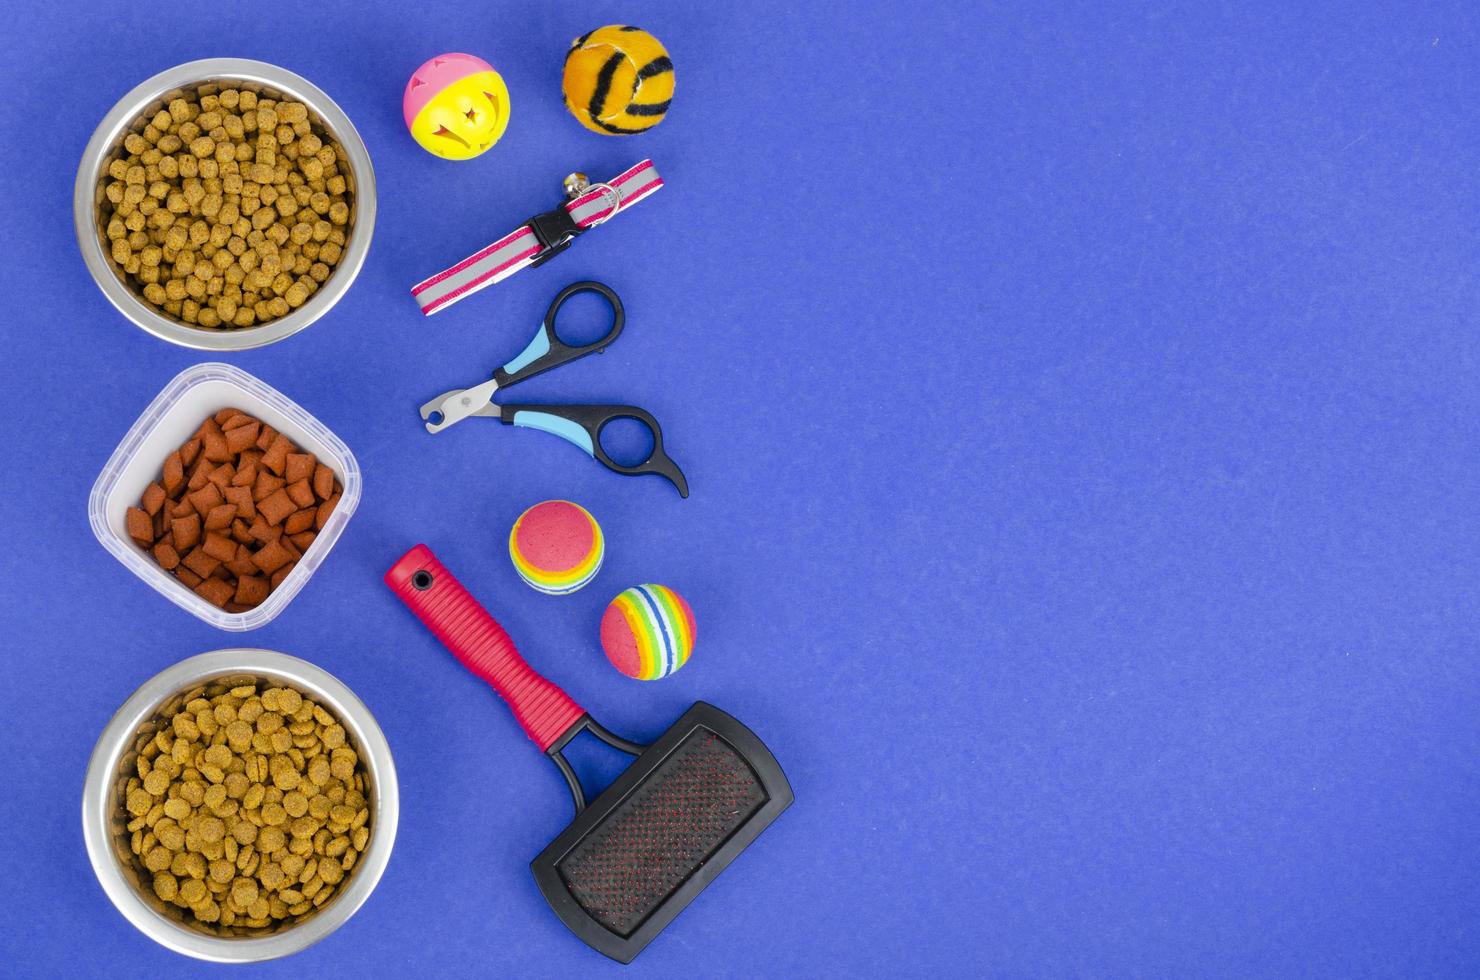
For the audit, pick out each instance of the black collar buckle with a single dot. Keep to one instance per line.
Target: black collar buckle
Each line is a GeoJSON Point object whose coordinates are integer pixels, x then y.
{"type": "Point", "coordinates": [555, 230]}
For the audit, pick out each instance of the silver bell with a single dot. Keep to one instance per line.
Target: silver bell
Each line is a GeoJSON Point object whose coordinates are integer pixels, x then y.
{"type": "Point", "coordinates": [576, 184]}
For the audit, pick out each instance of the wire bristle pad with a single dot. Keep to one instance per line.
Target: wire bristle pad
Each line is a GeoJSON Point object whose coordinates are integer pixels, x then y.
{"type": "Point", "coordinates": [663, 832]}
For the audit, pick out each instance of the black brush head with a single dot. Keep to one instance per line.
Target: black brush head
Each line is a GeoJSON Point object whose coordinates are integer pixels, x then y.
{"type": "Point", "coordinates": [682, 811]}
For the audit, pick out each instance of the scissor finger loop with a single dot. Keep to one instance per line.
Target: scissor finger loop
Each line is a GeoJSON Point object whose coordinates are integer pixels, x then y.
{"type": "Point", "coordinates": [619, 316]}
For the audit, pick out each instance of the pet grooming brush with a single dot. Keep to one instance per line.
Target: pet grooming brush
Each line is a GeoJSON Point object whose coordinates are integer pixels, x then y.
{"type": "Point", "coordinates": [662, 831]}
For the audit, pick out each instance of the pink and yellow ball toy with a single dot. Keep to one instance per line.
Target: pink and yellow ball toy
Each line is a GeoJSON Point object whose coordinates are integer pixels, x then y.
{"type": "Point", "coordinates": [456, 106]}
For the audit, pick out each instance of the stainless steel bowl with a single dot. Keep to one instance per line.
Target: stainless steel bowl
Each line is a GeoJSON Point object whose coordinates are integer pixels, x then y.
{"type": "Point", "coordinates": [149, 97]}
{"type": "Point", "coordinates": [104, 819]}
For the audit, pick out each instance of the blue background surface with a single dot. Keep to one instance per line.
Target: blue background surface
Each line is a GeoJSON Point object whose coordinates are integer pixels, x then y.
{"type": "Point", "coordinates": [1079, 402]}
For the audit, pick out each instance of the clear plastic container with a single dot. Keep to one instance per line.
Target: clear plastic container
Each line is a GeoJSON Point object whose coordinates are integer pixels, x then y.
{"type": "Point", "coordinates": [165, 425]}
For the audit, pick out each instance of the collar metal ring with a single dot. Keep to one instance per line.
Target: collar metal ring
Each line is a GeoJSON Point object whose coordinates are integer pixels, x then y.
{"type": "Point", "coordinates": [609, 193]}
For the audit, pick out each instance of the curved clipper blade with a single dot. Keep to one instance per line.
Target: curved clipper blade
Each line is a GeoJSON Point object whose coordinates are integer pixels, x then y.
{"type": "Point", "coordinates": [457, 404]}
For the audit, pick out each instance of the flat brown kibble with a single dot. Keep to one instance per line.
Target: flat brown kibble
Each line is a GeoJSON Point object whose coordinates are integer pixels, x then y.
{"type": "Point", "coordinates": [215, 591]}
{"type": "Point", "coordinates": [219, 546]}
{"type": "Point", "coordinates": [276, 507]}
{"type": "Point", "coordinates": [214, 836]}
{"type": "Point", "coordinates": [299, 466]}
{"type": "Point", "coordinates": [140, 526]}
{"type": "Point", "coordinates": [221, 522]}
{"type": "Point", "coordinates": [265, 485]}
{"type": "Point", "coordinates": [272, 557]}
{"type": "Point", "coordinates": [166, 555]}
{"type": "Point", "coordinates": [301, 493]}
{"type": "Point", "coordinates": [299, 522]}
{"type": "Point", "coordinates": [153, 500]}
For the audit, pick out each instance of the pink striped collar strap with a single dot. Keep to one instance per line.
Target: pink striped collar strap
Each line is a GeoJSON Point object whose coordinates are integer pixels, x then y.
{"type": "Point", "coordinates": [523, 247]}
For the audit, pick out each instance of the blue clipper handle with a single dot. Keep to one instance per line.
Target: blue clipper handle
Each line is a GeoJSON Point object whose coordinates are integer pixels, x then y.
{"type": "Point", "coordinates": [582, 425]}
{"type": "Point", "coordinates": [546, 350]}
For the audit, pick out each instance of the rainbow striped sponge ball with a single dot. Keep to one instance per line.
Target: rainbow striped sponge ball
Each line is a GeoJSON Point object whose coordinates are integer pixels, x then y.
{"type": "Point", "coordinates": [648, 632]}
{"type": "Point", "coordinates": [557, 547]}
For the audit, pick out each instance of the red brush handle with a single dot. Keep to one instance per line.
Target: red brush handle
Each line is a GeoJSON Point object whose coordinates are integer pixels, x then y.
{"type": "Point", "coordinates": [545, 712]}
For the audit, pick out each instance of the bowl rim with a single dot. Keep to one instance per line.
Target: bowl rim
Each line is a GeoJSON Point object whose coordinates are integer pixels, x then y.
{"type": "Point", "coordinates": [102, 771]}
{"type": "Point", "coordinates": [111, 129]}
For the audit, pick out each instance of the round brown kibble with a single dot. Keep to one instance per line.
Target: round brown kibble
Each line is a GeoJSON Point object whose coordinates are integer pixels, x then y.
{"type": "Point", "coordinates": [271, 876]}
{"type": "Point", "coordinates": [226, 836]}
{"type": "Point", "coordinates": [331, 872]}
{"type": "Point", "coordinates": [166, 887]}
{"type": "Point", "coordinates": [194, 865]}
{"type": "Point", "coordinates": [193, 891]}
{"type": "Point", "coordinates": [243, 892]}
{"type": "Point", "coordinates": [319, 807]}
{"type": "Point", "coordinates": [140, 802]}
{"type": "Point", "coordinates": [295, 803]}
{"type": "Point", "coordinates": [237, 785]}
{"type": "Point", "coordinates": [215, 795]}
{"type": "Point", "coordinates": [244, 832]}
{"type": "Point", "coordinates": [210, 829]}
{"type": "Point", "coordinates": [318, 769]}
{"type": "Point", "coordinates": [239, 735]}
{"type": "Point", "coordinates": [270, 839]}
{"type": "Point", "coordinates": [171, 836]}
{"type": "Point", "coordinates": [158, 858]}
{"type": "Point", "coordinates": [204, 167]}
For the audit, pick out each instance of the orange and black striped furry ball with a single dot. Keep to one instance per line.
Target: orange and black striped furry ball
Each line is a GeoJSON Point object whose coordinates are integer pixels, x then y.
{"type": "Point", "coordinates": [618, 80]}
